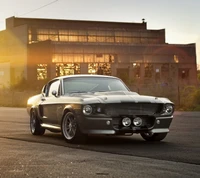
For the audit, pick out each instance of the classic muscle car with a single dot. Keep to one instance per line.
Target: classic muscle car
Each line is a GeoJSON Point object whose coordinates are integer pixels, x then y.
{"type": "Point", "coordinates": [83, 105]}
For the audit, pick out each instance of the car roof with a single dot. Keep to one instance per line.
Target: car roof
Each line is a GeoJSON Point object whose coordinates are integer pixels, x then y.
{"type": "Point", "coordinates": [83, 75]}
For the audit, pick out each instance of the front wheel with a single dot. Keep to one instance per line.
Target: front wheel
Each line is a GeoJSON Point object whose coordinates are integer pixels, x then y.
{"type": "Point", "coordinates": [153, 136]}
{"type": "Point", "coordinates": [70, 129]}
{"type": "Point", "coordinates": [35, 126]}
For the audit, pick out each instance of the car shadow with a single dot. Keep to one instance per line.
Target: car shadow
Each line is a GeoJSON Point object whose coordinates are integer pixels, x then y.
{"type": "Point", "coordinates": [121, 145]}
{"type": "Point", "coordinates": [107, 140]}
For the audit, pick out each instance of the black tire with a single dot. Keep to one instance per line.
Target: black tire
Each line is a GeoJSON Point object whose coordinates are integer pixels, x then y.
{"type": "Point", "coordinates": [153, 137]}
{"type": "Point", "coordinates": [70, 129]}
{"type": "Point", "coordinates": [35, 126]}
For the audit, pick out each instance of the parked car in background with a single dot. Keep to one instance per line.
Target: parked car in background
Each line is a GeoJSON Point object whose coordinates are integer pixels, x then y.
{"type": "Point", "coordinates": [83, 105]}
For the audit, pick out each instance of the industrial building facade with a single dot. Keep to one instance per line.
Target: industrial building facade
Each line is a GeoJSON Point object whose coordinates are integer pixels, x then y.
{"type": "Point", "coordinates": [41, 49]}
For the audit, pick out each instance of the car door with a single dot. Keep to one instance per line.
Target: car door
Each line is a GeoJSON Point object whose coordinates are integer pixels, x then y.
{"type": "Point", "coordinates": [50, 103]}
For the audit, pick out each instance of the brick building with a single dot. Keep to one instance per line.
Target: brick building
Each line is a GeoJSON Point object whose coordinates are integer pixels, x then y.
{"type": "Point", "coordinates": [40, 49]}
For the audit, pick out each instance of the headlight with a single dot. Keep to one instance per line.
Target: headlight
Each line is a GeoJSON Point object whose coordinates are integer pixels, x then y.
{"type": "Point", "coordinates": [126, 121]}
{"type": "Point", "coordinates": [87, 109]}
{"type": "Point", "coordinates": [168, 109]}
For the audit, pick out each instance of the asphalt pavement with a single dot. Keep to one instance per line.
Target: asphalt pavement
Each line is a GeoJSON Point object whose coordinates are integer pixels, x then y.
{"type": "Point", "coordinates": [25, 155]}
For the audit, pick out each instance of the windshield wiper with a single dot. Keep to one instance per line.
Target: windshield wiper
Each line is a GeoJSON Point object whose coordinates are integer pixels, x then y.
{"type": "Point", "coordinates": [101, 91]}
{"type": "Point", "coordinates": [77, 92]}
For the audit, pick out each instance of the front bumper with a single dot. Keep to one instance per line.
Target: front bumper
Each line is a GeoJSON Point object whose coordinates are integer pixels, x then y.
{"type": "Point", "coordinates": [113, 126]}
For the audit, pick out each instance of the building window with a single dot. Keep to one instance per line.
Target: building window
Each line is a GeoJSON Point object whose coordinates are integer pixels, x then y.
{"type": "Point", "coordinates": [127, 40]}
{"type": "Point", "coordinates": [136, 70]}
{"type": "Point", "coordinates": [119, 39]}
{"type": "Point", "coordinates": [41, 71]}
{"type": "Point", "coordinates": [92, 38]}
{"type": "Point", "coordinates": [92, 68]}
{"type": "Point", "coordinates": [43, 37]}
{"type": "Point", "coordinates": [100, 36]}
{"type": "Point", "coordinates": [148, 70]}
{"type": "Point", "coordinates": [136, 40]}
{"type": "Point", "coordinates": [73, 38]}
{"type": "Point", "coordinates": [99, 68]}
{"type": "Point", "coordinates": [67, 58]}
{"type": "Point", "coordinates": [88, 58]}
{"type": "Point", "coordinates": [67, 69]}
{"type": "Point", "coordinates": [53, 37]}
{"type": "Point", "coordinates": [32, 35]}
{"type": "Point", "coordinates": [64, 38]}
{"type": "Point", "coordinates": [101, 39]}
{"type": "Point", "coordinates": [82, 38]}
{"type": "Point", "coordinates": [106, 67]}
{"type": "Point", "coordinates": [110, 39]}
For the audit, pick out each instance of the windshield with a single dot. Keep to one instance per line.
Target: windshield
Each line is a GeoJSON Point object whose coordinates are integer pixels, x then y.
{"type": "Point", "coordinates": [92, 84]}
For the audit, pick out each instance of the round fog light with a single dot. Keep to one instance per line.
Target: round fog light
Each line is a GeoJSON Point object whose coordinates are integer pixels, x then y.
{"type": "Point", "coordinates": [137, 121]}
{"type": "Point", "coordinates": [126, 121]}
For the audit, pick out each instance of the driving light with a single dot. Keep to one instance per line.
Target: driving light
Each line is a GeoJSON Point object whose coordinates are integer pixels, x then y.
{"type": "Point", "coordinates": [126, 121]}
{"type": "Point", "coordinates": [87, 109]}
{"type": "Point", "coordinates": [137, 121]}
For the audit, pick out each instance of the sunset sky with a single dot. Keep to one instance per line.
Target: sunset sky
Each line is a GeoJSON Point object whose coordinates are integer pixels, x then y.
{"type": "Point", "coordinates": [180, 18]}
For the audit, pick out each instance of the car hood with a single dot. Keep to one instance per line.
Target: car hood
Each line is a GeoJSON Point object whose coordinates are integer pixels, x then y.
{"type": "Point", "coordinates": [119, 97]}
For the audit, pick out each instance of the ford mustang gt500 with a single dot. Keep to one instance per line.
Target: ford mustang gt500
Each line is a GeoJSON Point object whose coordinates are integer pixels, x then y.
{"type": "Point", "coordinates": [83, 105]}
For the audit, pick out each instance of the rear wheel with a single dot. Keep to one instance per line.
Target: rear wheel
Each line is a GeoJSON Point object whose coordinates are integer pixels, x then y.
{"type": "Point", "coordinates": [35, 126]}
{"type": "Point", "coordinates": [153, 136]}
{"type": "Point", "coordinates": [70, 129]}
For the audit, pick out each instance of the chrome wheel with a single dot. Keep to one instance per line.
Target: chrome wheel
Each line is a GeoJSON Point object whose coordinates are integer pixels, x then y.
{"type": "Point", "coordinates": [35, 127]}
{"type": "Point", "coordinates": [32, 122]}
{"type": "Point", "coordinates": [69, 126]}
{"type": "Point", "coordinates": [70, 129]}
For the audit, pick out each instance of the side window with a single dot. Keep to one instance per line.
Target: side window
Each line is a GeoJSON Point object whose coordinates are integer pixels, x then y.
{"type": "Point", "coordinates": [54, 86]}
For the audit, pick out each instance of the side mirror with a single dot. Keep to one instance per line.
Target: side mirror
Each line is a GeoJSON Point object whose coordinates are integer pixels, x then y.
{"type": "Point", "coordinates": [54, 93]}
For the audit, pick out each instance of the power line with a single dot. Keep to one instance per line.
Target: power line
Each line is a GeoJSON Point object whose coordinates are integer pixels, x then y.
{"type": "Point", "coordinates": [39, 8]}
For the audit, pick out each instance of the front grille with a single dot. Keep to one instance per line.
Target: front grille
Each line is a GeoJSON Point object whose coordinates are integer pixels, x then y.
{"type": "Point", "coordinates": [127, 109]}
